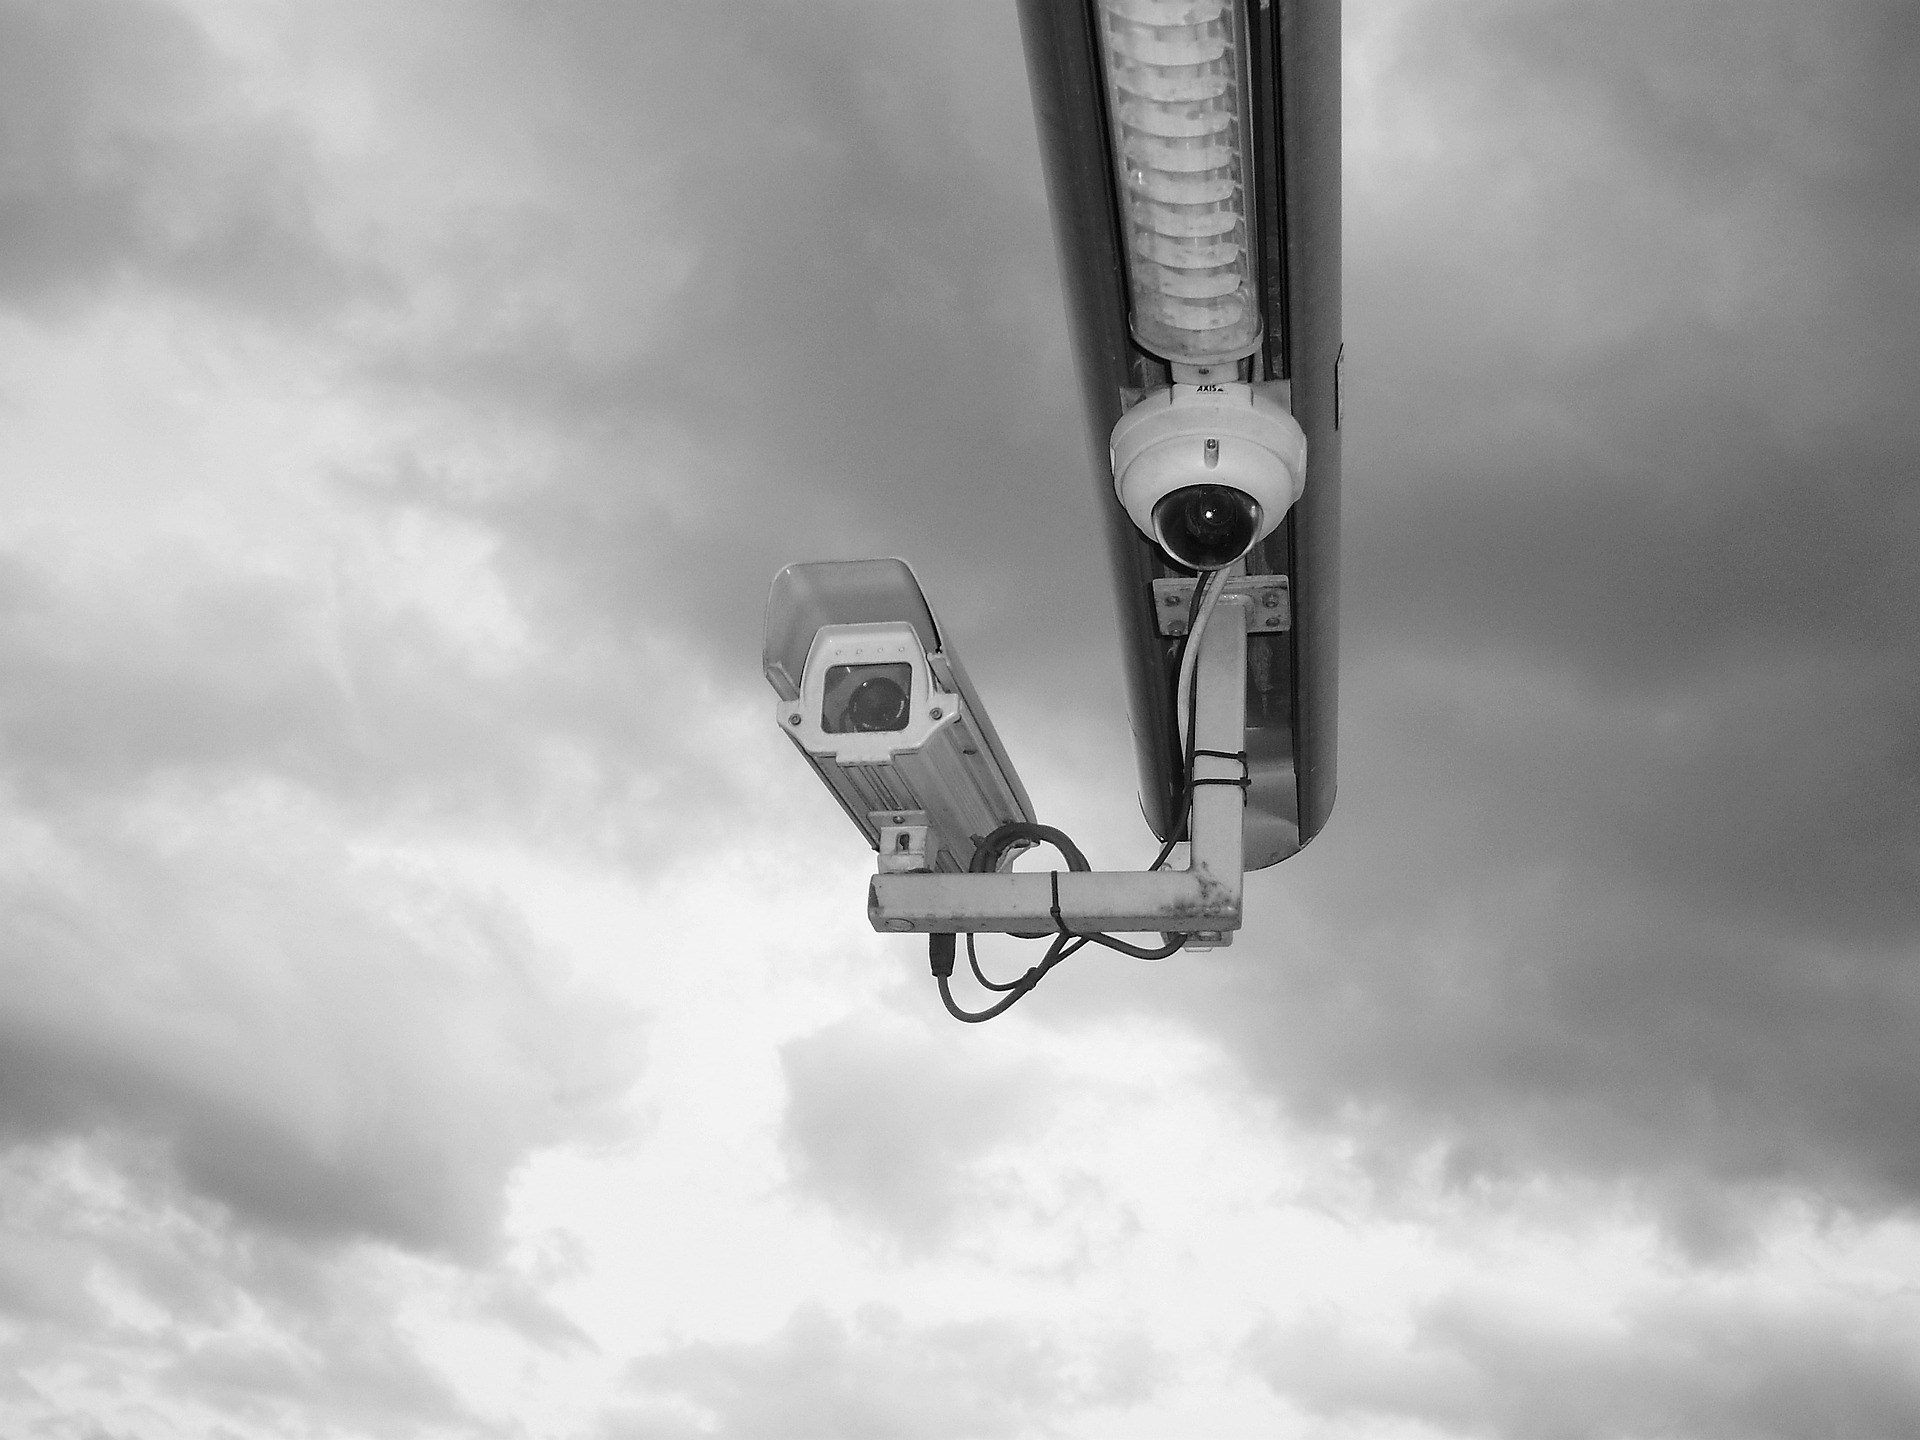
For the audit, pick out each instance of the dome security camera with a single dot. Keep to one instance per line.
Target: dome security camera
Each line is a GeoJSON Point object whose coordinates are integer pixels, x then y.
{"type": "Point", "coordinates": [1207, 471]}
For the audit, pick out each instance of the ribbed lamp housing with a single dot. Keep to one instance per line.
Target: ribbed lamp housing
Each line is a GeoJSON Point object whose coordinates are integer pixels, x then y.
{"type": "Point", "coordinates": [1175, 101]}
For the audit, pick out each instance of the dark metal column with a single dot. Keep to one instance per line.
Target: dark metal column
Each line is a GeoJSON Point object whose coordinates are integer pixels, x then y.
{"type": "Point", "coordinates": [1294, 50]}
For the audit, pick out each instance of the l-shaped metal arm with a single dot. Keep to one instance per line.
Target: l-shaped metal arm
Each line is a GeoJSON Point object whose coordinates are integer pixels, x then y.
{"type": "Point", "coordinates": [1203, 899]}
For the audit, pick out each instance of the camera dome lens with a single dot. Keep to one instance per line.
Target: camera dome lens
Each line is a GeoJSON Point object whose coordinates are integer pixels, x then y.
{"type": "Point", "coordinates": [877, 703]}
{"type": "Point", "coordinates": [1207, 527]}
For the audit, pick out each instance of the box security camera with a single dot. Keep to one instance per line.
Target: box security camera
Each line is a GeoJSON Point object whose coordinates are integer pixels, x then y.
{"type": "Point", "coordinates": [874, 696]}
{"type": "Point", "coordinates": [1207, 471]}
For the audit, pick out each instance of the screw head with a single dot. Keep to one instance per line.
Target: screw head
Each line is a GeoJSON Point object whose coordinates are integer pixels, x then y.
{"type": "Point", "coordinates": [794, 719]}
{"type": "Point", "coordinates": [1170, 599]}
{"type": "Point", "coordinates": [935, 713]}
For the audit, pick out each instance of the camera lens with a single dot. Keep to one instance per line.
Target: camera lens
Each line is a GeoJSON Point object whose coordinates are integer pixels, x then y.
{"type": "Point", "coordinates": [860, 699]}
{"type": "Point", "coordinates": [877, 704]}
{"type": "Point", "coordinates": [1207, 526]}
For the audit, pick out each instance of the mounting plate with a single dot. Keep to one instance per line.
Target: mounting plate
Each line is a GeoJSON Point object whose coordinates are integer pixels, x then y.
{"type": "Point", "coordinates": [1271, 611]}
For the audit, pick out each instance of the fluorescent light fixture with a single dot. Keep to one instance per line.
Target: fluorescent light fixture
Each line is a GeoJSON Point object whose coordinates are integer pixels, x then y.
{"type": "Point", "coordinates": [1177, 113]}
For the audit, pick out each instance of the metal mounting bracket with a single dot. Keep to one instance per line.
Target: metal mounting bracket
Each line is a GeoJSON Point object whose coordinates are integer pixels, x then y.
{"type": "Point", "coordinates": [1271, 595]}
{"type": "Point", "coordinates": [1203, 900]}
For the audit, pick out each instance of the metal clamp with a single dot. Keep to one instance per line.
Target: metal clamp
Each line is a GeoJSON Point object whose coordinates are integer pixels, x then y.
{"type": "Point", "coordinates": [1269, 612]}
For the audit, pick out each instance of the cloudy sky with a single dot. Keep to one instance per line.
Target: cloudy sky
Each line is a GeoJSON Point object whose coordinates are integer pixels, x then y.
{"type": "Point", "coordinates": [434, 1000]}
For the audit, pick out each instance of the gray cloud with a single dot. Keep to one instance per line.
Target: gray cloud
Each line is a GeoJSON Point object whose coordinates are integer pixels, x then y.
{"type": "Point", "coordinates": [325, 1046]}
{"type": "Point", "coordinates": [310, 1033]}
{"type": "Point", "coordinates": [850, 336]}
{"type": "Point", "coordinates": [880, 1376]}
{"type": "Point", "coordinates": [374, 1382]}
{"type": "Point", "coordinates": [890, 1129]}
{"type": "Point", "coordinates": [1702, 1369]}
{"type": "Point", "coordinates": [128, 156]}
{"type": "Point", "coordinates": [304, 1058]}
{"type": "Point", "coordinates": [209, 680]}
{"type": "Point", "coordinates": [167, 1313]}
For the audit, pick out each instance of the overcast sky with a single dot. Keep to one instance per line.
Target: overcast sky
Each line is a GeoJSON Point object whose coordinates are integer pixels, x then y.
{"type": "Point", "coordinates": [435, 1001]}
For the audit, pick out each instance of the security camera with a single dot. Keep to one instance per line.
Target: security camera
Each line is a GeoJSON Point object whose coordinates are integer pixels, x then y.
{"type": "Point", "coordinates": [1207, 471]}
{"type": "Point", "coordinates": [874, 696]}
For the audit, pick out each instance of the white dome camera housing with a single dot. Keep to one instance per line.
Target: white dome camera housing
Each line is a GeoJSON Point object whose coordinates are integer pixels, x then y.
{"type": "Point", "coordinates": [1208, 471]}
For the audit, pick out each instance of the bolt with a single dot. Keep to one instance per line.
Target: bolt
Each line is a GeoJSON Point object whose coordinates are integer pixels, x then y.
{"type": "Point", "coordinates": [899, 924]}
{"type": "Point", "coordinates": [1171, 599]}
{"type": "Point", "coordinates": [1270, 600]}
{"type": "Point", "coordinates": [934, 713]}
{"type": "Point", "coordinates": [1273, 620]}
{"type": "Point", "coordinates": [794, 719]}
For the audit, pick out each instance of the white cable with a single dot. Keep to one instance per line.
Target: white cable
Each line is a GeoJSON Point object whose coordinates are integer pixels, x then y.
{"type": "Point", "coordinates": [1211, 586]}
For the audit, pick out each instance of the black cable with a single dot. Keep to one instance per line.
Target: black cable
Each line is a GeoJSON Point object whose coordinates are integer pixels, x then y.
{"type": "Point", "coordinates": [973, 963]}
{"type": "Point", "coordinates": [991, 850]}
{"type": "Point", "coordinates": [1056, 952]}
{"type": "Point", "coordinates": [974, 1017]}
{"type": "Point", "coordinates": [1138, 953]}
{"type": "Point", "coordinates": [988, 853]}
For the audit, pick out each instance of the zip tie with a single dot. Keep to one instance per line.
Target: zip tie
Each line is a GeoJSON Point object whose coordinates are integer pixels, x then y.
{"type": "Point", "coordinates": [1245, 781]}
{"type": "Point", "coordinates": [1058, 923]}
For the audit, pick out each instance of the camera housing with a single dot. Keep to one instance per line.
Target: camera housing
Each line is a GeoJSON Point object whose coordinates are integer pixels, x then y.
{"type": "Point", "coordinates": [1208, 471]}
{"type": "Point", "coordinates": [875, 697]}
